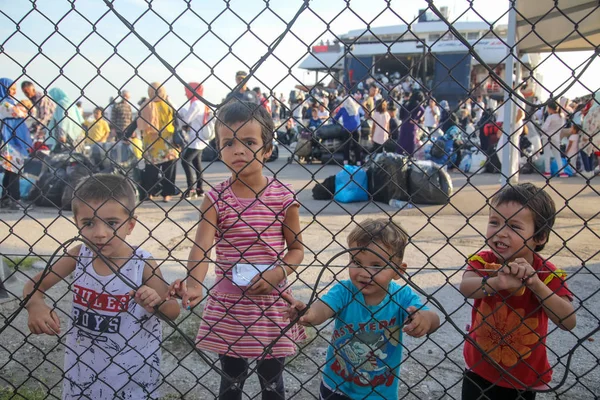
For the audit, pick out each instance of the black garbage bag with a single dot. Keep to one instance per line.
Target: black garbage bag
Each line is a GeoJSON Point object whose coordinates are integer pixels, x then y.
{"type": "Point", "coordinates": [331, 131]}
{"type": "Point", "coordinates": [388, 174]}
{"type": "Point", "coordinates": [210, 152]}
{"type": "Point", "coordinates": [325, 190]}
{"type": "Point", "coordinates": [54, 187]}
{"type": "Point", "coordinates": [428, 183]}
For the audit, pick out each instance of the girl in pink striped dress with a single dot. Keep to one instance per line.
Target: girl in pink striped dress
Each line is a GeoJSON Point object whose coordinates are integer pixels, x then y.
{"type": "Point", "coordinates": [254, 221]}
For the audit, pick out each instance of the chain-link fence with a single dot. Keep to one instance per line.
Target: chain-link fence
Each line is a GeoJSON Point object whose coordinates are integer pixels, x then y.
{"type": "Point", "coordinates": [315, 229]}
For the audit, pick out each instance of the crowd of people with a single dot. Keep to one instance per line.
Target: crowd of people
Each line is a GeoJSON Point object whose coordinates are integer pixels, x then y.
{"type": "Point", "coordinates": [53, 123]}
{"type": "Point", "coordinates": [403, 119]}
{"type": "Point", "coordinates": [113, 338]}
{"type": "Point", "coordinates": [375, 118]}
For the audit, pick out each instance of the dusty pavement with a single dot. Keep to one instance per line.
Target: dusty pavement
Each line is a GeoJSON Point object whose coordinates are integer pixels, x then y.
{"type": "Point", "coordinates": [441, 238]}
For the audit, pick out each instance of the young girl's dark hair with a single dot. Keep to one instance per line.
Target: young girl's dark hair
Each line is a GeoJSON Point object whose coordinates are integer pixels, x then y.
{"type": "Point", "coordinates": [537, 201]}
{"type": "Point", "coordinates": [381, 106]}
{"type": "Point", "coordinates": [236, 112]}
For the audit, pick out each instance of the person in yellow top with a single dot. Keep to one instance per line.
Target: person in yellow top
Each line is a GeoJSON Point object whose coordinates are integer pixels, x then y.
{"type": "Point", "coordinates": [98, 130]}
{"type": "Point", "coordinates": [156, 123]}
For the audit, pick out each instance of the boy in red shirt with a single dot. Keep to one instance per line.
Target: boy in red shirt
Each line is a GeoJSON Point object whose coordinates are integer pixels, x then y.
{"type": "Point", "coordinates": [515, 292]}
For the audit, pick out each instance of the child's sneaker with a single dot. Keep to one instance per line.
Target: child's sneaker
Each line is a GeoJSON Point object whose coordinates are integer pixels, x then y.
{"type": "Point", "coordinates": [563, 175]}
{"type": "Point", "coordinates": [547, 174]}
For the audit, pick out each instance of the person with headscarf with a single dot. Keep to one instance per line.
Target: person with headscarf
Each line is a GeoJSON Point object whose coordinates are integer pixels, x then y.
{"type": "Point", "coordinates": [157, 125]}
{"type": "Point", "coordinates": [66, 126]}
{"type": "Point", "coordinates": [350, 113]}
{"type": "Point", "coordinates": [14, 145]}
{"type": "Point", "coordinates": [411, 116]}
{"type": "Point", "coordinates": [196, 118]}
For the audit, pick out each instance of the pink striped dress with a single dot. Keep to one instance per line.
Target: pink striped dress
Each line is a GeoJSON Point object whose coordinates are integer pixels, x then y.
{"type": "Point", "coordinates": [249, 231]}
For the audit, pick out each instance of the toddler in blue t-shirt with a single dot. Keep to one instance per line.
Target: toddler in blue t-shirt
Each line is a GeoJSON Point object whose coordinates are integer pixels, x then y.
{"type": "Point", "coordinates": [371, 312]}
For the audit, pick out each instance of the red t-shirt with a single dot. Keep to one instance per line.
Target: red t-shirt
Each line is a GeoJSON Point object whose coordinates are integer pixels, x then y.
{"type": "Point", "coordinates": [511, 329]}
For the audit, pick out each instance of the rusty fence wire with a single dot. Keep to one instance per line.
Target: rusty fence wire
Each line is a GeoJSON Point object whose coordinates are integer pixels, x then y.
{"type": "Point", "coordinates": [303, 192]}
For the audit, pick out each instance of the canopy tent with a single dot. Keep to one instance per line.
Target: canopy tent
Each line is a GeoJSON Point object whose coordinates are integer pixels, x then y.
{"type": "Point", "coordinates": [543, 26]}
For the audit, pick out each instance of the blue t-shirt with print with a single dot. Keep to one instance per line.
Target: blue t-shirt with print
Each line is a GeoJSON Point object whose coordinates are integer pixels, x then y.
{"type": "Point", "coordinates": [363, 358]}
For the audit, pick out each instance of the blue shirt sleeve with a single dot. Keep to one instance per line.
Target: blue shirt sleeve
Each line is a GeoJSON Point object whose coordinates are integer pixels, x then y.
{"type": "Point", "coordinates": [405, 298]}
{"type": "Point", "coordinates": [338, 297]}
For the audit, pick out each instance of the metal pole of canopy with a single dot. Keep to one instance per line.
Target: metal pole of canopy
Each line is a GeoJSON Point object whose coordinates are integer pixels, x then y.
{"type": "Point", "coordinates": [508, 152]}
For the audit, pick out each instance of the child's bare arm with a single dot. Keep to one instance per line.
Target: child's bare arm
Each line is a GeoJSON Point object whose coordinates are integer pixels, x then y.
{"type": "Point", "coordinates": [154, 292]}
{"type": "Point", "coordinates": [41, 318]}
{"type": "Point", "coordinates": [318, 312]}
{"type": "Point", "coordinates": [190, 289]}
{"type": "Point", "coordinates": [293, 238]}
{"type": "Point", "coordinates": [265, 283]}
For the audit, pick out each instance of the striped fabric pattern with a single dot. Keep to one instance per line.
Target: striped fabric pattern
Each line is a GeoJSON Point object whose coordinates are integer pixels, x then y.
{"type": "Point", "coordinates": [249, 231]}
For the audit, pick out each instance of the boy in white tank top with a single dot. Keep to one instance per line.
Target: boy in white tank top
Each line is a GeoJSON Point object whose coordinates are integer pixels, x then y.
{"type": "Point", "coordinates": [112, 343]}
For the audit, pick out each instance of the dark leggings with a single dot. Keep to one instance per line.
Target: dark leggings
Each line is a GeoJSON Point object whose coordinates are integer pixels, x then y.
{"type": "Point", "coordinates": [11, 186]}
{"type": "Point", "coordinates": [352, 145]}
{"type": "Point", "coordinates": [192, 168]}
{"type": "Point", "coordinates": [476, 388]}
{"type": "Point", "coordinates": [270, 376]}
{"type": "Point", "coordinates": [160, 178]}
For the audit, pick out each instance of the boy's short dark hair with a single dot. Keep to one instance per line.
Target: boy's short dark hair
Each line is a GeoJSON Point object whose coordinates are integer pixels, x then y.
{"type": "Point", "coordinates": [391, 106]}
{"type": "Point", "coordinates": [26, 84]}
{"type": "Point", "coordinates": [553, 105]}
{"type": "Point", "coordinates": [102, 188]}
{"type": "Point", "coordinates": [384, 231]}
{"type": "Point", "coordinates": [98, 109]}
{"type": "Point", "coordinates": [536, 200]}
{"type": "Point", "coordinates": [243, 112]}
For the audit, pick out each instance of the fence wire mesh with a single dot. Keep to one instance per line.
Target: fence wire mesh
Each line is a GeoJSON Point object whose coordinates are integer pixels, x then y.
{"type": "Point", "coordinates": [169, 273]}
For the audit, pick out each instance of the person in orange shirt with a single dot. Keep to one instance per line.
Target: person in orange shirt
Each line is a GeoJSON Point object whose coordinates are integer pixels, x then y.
{"type": "Point", "coordinates": [99, 130]}
{"type": "Point", "coordinates": [515, 291]}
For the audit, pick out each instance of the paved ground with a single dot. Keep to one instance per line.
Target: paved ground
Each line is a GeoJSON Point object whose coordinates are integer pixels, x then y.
{"type": "Point", "coordinates": [441, 237]}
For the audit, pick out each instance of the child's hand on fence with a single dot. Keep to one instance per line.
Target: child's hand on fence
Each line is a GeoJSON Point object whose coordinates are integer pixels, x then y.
{"type": "Point", "coordinates": [523, 271]}
{"type": "Point", "coordinates": [506, 280]}
{"type": "Point", "coordinates": [43, 320]}
{"type": "Point", "coordinates": [266, 283]}
{"type": "Point", "coordinates": [146, 297]}
{"type": "Point", "coordinates": [190, 295]}
{"type": "Point", "coordinates": [416, 325]}
{"type": "Point", "coordinates": [292, 311]}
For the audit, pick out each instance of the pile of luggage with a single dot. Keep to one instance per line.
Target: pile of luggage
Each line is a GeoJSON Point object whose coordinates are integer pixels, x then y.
{"type": "Point", "coordinates": [388, 176]}
{"type": "Point", "coordinates": [49, 180]}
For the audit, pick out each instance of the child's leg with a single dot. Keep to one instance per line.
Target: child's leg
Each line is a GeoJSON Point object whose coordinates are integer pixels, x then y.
{"type": "Point", "coordinates": [476, 388]}
{"type": "Point", "coordinates": [237, 369]}
{"type": "Point", "coordinates": [270, 376]}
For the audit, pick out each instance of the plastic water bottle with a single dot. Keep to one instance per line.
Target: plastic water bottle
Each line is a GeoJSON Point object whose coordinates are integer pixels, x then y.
{"type": "Point", "coordinates": [399, 204]}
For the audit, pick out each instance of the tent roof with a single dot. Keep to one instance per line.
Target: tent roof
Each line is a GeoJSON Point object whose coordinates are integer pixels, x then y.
{"type": "Point", "coordinates": [542, 26]}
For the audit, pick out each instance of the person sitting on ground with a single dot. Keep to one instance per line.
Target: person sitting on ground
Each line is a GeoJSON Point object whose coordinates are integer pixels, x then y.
{"type": "Point", "coordinates": [113, 338]}
{"type": "Point", "coordinates": [515, 292]}
{"type": "Point", "coordinates": [363, 359]}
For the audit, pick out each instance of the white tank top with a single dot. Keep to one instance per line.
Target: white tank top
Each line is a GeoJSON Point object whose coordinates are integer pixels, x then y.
{"type": "Point", "coordinates": [113, 344]}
